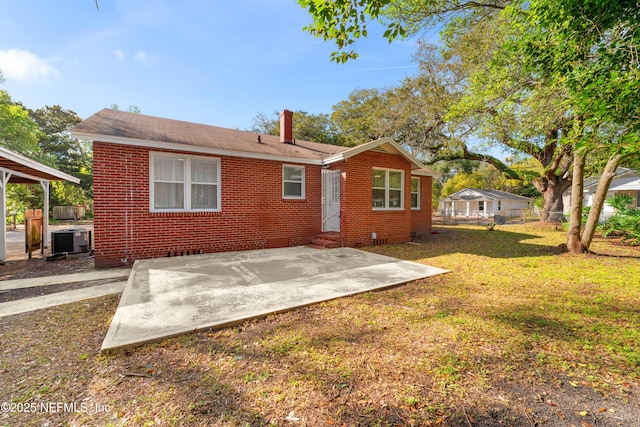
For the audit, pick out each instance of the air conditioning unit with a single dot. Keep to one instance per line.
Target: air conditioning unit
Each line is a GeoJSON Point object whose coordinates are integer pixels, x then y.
{"type": "Point", "coordinates": [70, 241]}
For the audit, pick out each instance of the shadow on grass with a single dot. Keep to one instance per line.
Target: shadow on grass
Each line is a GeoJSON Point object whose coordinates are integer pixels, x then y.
{"type": "Point", "coordinates": [583, 327]}
{"type": "Point", "coordinates": [474, 241]}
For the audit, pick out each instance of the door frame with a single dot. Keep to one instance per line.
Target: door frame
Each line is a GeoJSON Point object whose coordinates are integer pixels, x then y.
{"type": "Point", "coordinates": [330, 200]}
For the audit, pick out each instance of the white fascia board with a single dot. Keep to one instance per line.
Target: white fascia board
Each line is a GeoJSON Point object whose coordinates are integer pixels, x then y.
{"type": "Point", "coordinates": [419, 172]}
{"type": "Point", "coordinates": [333, 159]}
{"type": "Point", "coordinates": [373, 144]}
{"type": "Point", "coordinates": [192, 149]}
{"type": "Point", "coordinates": [25, 161]}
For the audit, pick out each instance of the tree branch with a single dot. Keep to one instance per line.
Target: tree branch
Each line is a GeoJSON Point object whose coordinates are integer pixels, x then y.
{"type": "Point", "coordinates": [469, 155]}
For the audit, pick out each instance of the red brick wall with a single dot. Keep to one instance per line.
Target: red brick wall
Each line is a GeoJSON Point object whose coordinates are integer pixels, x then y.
{"type": "Point", "coordinates": [359, 220]}
{"type": "Point", "coordinates": [254, 215]}
{"type": "Point", "coordinates": [421, 218]}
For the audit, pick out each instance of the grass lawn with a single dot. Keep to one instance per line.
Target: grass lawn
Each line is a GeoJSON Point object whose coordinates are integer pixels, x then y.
{"type": "Point", "coordinates": [516, 335]}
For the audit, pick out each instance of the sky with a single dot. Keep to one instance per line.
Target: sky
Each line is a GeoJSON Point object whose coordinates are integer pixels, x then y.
{"type": "Point", "coordinates": [217, 62]}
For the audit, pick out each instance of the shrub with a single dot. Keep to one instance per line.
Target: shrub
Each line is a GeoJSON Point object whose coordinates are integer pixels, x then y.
{"type": "Point", "coordinates": [625, 222]}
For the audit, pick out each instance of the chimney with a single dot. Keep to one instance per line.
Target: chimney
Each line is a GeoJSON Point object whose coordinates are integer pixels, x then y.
{"type": "Point", "coordinates": [286, 126]}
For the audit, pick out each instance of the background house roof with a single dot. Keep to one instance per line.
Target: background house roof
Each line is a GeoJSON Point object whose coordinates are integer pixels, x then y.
{"type": "Point", "coordinates": [478, 194]}
{"type": "Point", "coordinates": [138, 129]}
{"type": "Point", "coordinates": [624, 179]}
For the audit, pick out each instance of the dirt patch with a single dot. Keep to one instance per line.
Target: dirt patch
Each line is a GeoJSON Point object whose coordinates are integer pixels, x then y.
{"type": "Point", "coordinates": [39, 267]}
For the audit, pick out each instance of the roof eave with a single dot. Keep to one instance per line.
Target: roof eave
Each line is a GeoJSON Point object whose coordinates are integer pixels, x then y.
{"type": "Point", "coordinates": [190, 148]}
{"type": "Point", "coordinates": [419, 172]}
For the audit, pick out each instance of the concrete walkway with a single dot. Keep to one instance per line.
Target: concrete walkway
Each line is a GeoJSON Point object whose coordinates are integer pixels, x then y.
{"type": "Point", "coordinates": [45, 301]}
{"type": "Point", "coordinates": [64, 278]}
{"type": "Point", "coordinates": [10, 308]}
{"type": "Point", "coordinates": [170, 296]}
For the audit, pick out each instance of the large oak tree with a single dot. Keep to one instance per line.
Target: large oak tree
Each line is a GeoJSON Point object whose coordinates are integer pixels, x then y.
{"type": "Point", "coordinates": [554, 79]}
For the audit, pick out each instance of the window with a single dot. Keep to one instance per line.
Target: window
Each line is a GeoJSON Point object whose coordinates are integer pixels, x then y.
{"type": "Point", "coordinates": [388, 186]}
{"type": "Point", "coordinates": [499, 205]}
{"type": "Point", "coordinates": [637, 199]}
{"type": "Point", "coordinates": [293, 182]}
{"type": "Point", "coordinates": [481, 205]}
{"type": "Point", "coordinates": [184, 183]}
{"type": "Point", "coordinates": [415, 193]}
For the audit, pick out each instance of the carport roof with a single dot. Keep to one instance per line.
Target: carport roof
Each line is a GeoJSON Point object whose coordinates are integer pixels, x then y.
{"type": "Point", "coordinates": [27, 171]}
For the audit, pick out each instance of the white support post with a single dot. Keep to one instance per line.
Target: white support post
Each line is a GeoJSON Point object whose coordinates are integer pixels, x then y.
{"type": "Point", "coordinates": [468, 209]}
{"type": "Point", "coordinates": [4, 179]}
{"type": "Point", "coordinates": [45, 213]}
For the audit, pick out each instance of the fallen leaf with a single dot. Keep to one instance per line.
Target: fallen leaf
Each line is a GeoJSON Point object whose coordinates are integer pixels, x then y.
{"type": "Point", "coordinates": [575, 384]}
{"type": "Point", "coordinates": [584, 413]}
{"type": "Point", "coordinates": [586, 424]}
{"type": "Point", "coordinates": [602, 410]}
{"type": "Point", "coordinates": [292, 417]}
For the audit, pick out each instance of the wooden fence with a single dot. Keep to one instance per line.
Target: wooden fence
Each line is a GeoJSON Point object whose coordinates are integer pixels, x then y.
{"type": "Point", "coordinates": [33, 231]}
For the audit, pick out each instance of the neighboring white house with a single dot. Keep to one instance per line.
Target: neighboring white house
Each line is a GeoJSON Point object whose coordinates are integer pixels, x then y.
{"type": "Point", "coordinates": [626, 181]}
{"type": "Point", "coordinates": [484, 203]}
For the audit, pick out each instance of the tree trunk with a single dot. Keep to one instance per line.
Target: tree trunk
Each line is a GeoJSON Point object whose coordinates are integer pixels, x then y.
{"type": "Point", "coordinates": [552, 188]}
{"type": "Point", "coordinates": [574, 243]}
{"type": "Point", "coordinates": [599, 198]}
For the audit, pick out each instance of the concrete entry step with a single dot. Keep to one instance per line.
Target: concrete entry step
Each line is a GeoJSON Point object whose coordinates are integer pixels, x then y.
{"type": "Point", "coordinates": [166, 297]}
{"type": "Point", "coordinates": [329, 239]}
{"type": "Point", "coordinates": [320, 243]}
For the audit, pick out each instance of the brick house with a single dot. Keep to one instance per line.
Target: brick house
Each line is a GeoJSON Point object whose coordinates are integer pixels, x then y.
{"type": "Point", "coordinates": [166, 187]}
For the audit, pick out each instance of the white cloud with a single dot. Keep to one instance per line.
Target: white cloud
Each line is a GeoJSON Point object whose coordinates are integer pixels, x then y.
{"type": "Point", "coordinates": [142, 57]}
{"type": "Point", "coordinates": [119, 54]}
{"type": "Point", "coordinates": [24, 66]}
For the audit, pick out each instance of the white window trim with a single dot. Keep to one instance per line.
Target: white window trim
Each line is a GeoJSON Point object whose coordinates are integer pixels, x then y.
{"type": "Point", "coordinates": [303, 171]}
{"type": "Point", "coordinates": [386, 190]}
{"type": "Point", "coordinates": [417, 208]}
{"type": "Point", "coordinates": [186, 182]}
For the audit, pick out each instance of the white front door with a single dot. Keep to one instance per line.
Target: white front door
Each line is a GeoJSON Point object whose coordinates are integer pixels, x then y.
{"type": "Point", "coordinates": [330, 200]}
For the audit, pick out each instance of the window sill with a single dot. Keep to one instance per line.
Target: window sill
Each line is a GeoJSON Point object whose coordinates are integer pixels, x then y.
{"type": "Point", "coordinates": [175, 211]}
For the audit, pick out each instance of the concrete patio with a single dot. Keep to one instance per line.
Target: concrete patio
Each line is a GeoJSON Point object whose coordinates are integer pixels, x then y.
{"type": "Point", "coordinates": [166, 297]}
